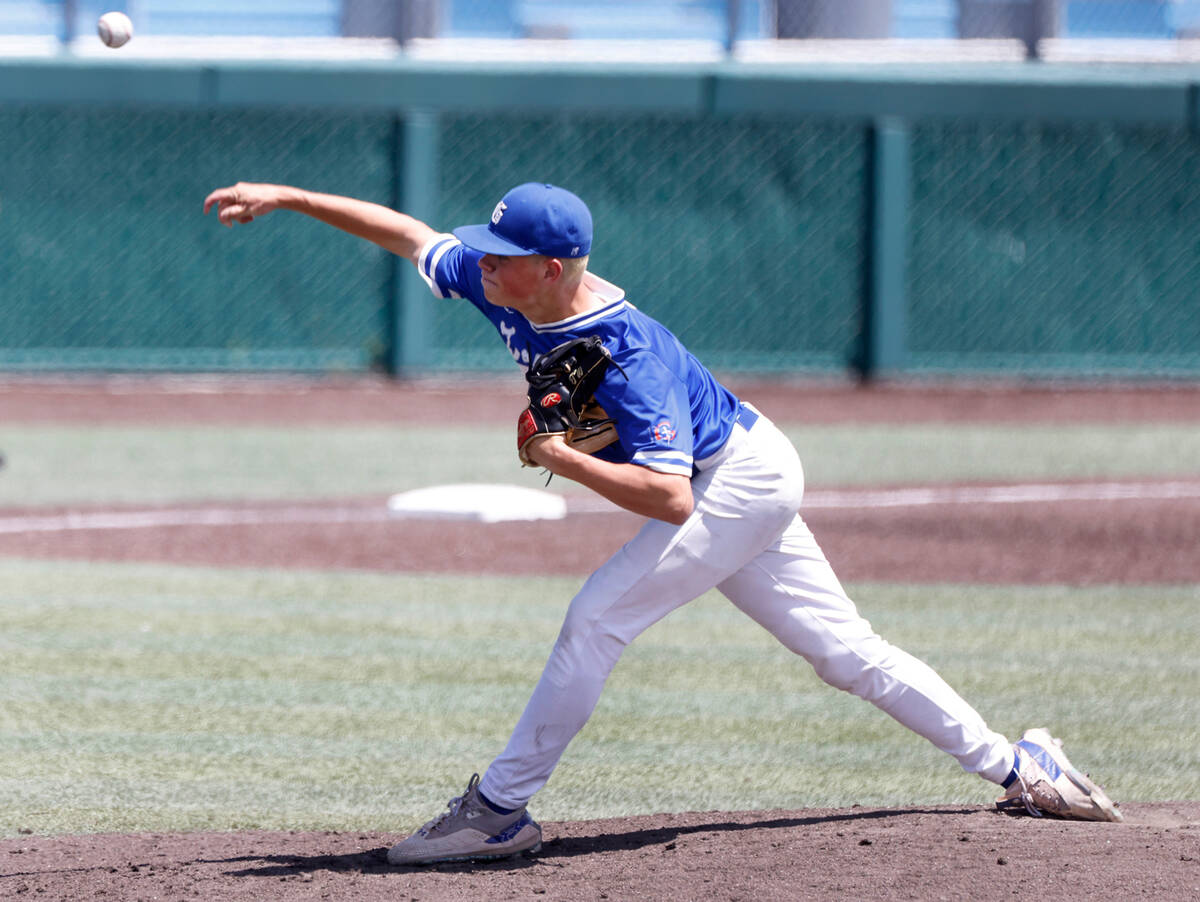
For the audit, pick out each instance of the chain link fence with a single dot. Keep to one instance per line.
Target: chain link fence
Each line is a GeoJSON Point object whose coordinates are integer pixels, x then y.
{"type": "Point", "coordinates": [108, 263]}
{"type": "Point", "coordinates": [1032, 247]}
{"type": "Point", "coordinates": [744, 234]}
{"type": "Point", "coordinates": [1054, 248]}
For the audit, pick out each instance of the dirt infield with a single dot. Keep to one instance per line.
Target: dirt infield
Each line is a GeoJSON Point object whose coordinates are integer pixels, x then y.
{"type": "Point", "coordinates": [860, 853]}
{"type": "Point", "coordinates": [191, 399]}
{"type": "Point", "coordinates": [1132, 541]}
{"type": "Point", "coordinates": [951, 852]}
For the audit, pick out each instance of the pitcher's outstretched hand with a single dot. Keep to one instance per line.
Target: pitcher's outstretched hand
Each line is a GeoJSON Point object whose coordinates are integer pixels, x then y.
{"type": "Point", "coordinates": [244, 201]}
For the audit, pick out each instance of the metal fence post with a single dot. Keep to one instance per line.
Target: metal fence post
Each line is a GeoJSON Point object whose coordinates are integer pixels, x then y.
{"type": "Point", "coordinates": [416, 190]}
{"type": "Point", "coordinates": [885, 327]}
{"type": "Point", "coordinates": [403, 20]}
{"type": "Point", "coordinates": [1027, 20]}
{"type": "Point", "coordinates": [67, 26]}
{"type": "Point", "coordinates": [833, 18]}
{"type": "Point", "coordinates": [1045, 25]}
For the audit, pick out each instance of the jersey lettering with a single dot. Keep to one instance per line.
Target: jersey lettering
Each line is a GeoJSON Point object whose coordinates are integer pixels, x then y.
{"type": "Point", "coordinates": [520, 356]}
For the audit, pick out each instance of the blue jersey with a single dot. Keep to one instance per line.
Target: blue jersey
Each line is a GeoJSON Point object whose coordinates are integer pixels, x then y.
{"type": "Point", "coordinates": [670, 411]}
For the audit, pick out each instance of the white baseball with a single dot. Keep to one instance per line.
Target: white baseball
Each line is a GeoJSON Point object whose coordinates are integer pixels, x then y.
{"type": "Point", "coordinates": [114, 29]}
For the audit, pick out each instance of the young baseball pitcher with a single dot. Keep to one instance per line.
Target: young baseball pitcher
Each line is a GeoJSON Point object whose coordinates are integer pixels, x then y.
{"type": "Point", "coordinates": [719, 485]}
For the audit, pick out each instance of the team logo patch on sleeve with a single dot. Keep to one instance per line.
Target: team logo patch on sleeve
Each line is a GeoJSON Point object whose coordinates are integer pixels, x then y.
{"type": "Point", "coordinates": [664, 432]}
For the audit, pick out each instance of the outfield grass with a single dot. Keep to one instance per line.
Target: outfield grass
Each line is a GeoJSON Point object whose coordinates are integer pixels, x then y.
{"type": "Point", "coordinates": [110, 464]}
{"type": "Point", "coordinates": [138, 697]}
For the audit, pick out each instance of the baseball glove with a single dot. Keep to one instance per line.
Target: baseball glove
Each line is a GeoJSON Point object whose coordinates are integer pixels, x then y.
{"type": "Point", "coordinates": [562, 383]}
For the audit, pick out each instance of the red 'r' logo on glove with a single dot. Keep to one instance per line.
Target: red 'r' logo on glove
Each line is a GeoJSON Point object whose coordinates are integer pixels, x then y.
{"type": "Point", "coordinates": [551, 399]}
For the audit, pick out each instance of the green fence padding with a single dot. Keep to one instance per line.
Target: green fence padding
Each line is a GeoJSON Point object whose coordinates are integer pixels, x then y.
{"type": "Point", "coordinates": [108, 262]}
{"type": "Point", "coordinates": [1054, 247]}
{"type": "Point", "coordinates": [744, 235]}
{"type": "Point", "coordinates": [1048, 222]}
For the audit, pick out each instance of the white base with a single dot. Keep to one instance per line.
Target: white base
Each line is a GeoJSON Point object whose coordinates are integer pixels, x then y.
{"type": "Point", "coordinates": [482, 502]}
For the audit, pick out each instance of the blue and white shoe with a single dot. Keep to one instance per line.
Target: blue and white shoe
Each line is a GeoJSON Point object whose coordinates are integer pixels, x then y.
{"type": "Point", "coordinates": [1044, 782]}
{"type": "Point", "coordinates": [469, 830]}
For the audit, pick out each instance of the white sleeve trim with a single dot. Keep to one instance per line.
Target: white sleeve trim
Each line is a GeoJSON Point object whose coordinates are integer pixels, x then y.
{"type": "Point", "coordinates": [431, 254]}
{"type": "Point", "coordinates": [674, 462]}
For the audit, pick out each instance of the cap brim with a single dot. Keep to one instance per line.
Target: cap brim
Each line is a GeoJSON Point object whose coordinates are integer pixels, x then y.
{"type": "Point", "coordinates": [481, 238]}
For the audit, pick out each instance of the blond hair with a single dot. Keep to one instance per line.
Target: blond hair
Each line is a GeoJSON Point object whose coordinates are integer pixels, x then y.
{"type": "Point", "coordinates": [574, 267]}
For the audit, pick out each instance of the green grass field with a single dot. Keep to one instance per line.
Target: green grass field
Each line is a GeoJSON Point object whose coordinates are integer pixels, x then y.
{"type": "Point", "coordinates": [89, 464]}
{"type": "Point", "coordinates": [141, 697]}
{"type": "Point", "coordinates": [167, 698]}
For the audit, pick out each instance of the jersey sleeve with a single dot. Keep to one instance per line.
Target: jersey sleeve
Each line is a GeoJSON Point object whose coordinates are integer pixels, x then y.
{"type": "Point", "coordinates": [653, 414]}
{"type": "Point", "coordinates": [450, 270]}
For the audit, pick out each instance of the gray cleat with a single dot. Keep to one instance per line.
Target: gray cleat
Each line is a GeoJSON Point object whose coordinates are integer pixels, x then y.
{"type": "Point", "coordinates": [469, 830]}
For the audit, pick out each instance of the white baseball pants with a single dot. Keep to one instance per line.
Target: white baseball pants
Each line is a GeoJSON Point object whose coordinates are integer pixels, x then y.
{"type": "Point", "coordinates": [745, 538]}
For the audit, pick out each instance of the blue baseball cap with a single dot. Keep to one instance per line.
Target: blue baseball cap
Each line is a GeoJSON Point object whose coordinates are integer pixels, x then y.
{"type": "Point", "coordinates": [534, 218]}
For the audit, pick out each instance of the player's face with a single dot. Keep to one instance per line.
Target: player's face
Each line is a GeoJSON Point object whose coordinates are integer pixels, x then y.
{"type": "Point", "coordinates": [510, 281]}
